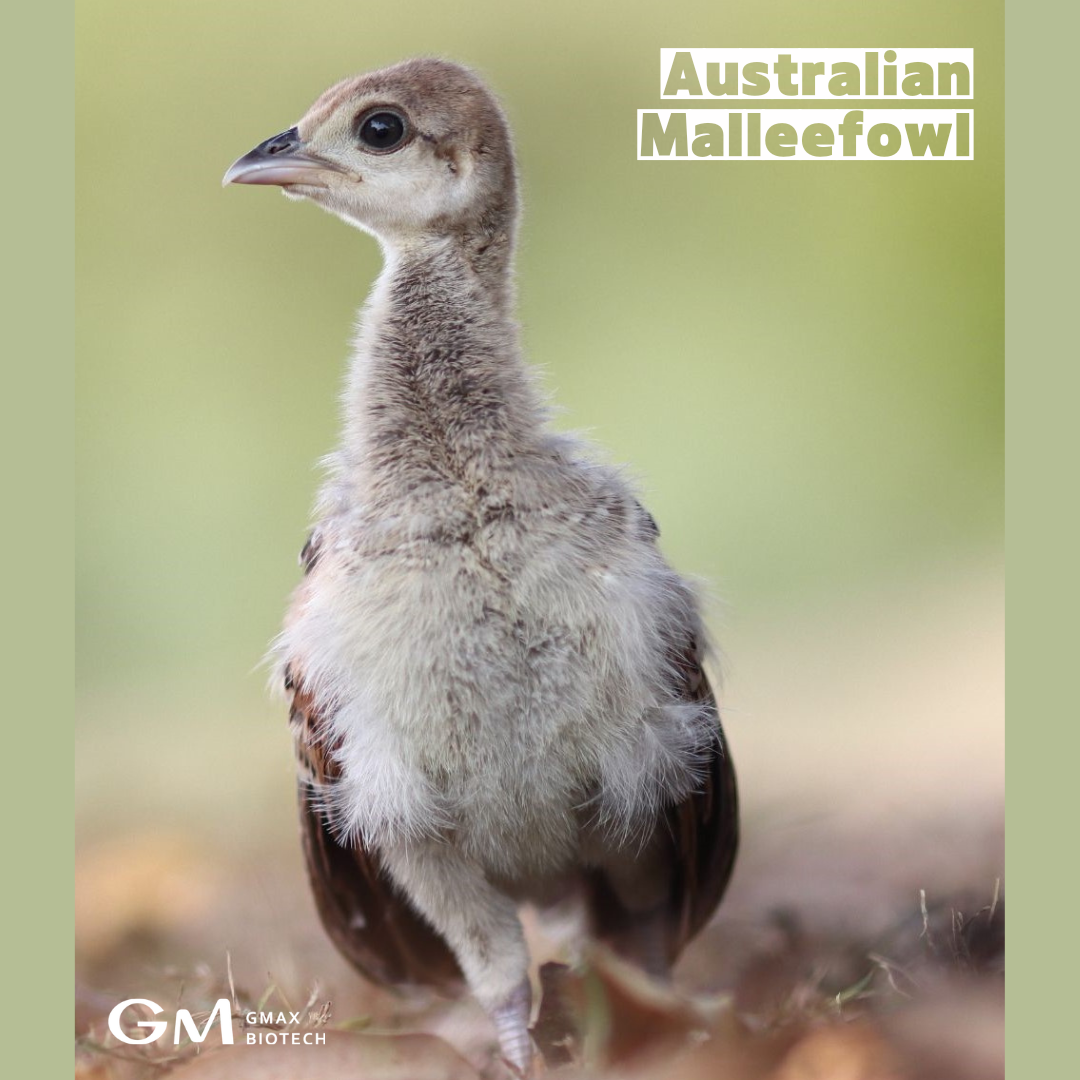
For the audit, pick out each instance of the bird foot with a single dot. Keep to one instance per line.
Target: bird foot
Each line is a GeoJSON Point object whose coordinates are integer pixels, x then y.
{"type": "Point", "coordinates": [511, 1020]}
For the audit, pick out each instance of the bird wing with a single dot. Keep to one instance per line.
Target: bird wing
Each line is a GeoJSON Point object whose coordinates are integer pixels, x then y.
{"type": "Point", "coordinates": [369, 920]}
{"type": "Point", "coordinates": [702, 837]}
{"type": "Point", "coordinates": [705, 825]}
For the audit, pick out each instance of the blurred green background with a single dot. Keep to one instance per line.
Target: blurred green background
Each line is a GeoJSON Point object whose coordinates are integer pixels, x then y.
{"type": "Point", "coordinates": [801, 362]}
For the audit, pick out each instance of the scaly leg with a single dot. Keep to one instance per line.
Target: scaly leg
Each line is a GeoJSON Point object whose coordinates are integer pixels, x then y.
{"type": "Point", "coordinates": [481, 926]}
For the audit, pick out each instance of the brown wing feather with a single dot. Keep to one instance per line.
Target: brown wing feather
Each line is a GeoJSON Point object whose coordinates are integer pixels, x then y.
{"type": "Point", "coordinates": [705, 827]}
{"type": "Point", "coordinates": [373, 926]}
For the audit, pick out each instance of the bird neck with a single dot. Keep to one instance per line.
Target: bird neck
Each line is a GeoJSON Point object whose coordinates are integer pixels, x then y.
{"type": "Point", "coordinates": [438, 392]}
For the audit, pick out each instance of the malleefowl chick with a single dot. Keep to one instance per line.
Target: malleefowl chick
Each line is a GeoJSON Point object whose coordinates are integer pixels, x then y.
{"type": "Point", "coordinates": [495, 678]}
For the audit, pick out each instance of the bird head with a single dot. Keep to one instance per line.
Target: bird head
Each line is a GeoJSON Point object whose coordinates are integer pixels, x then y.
{"type": "Point", "coordinates": [415, 150]}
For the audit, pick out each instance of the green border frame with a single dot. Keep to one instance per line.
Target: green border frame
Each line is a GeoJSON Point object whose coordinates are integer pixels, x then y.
{"type": "Point", "coordinates": [1040, 346]}
{"type": "Point", "coordinates": [39, 491]}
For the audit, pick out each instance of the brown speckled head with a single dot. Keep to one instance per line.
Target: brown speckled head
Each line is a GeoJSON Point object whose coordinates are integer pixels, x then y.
{"type": "Point", "coordinates": [414, 150]}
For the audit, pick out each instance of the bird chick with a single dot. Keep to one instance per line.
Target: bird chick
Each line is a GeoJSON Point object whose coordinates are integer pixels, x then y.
{"type": "Point", "coordinates": [495, 678]}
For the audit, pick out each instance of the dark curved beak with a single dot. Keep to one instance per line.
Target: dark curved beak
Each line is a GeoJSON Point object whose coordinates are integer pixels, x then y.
{"type": "Point", "coordinates": [281, 160]}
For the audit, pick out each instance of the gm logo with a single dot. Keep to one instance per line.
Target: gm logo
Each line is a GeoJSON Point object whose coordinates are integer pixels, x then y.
{"type": "Point", "coordinates": [184, 1021]}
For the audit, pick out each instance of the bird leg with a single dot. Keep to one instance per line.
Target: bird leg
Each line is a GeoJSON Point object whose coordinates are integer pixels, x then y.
{"type": "Point", "coordinates": [481, 926]}
{"type": "Point", "coordinates": [511, 1020]}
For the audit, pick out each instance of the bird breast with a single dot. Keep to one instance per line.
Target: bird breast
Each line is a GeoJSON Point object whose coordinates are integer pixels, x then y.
{"type": "Point", "coordinates": [500, 687]}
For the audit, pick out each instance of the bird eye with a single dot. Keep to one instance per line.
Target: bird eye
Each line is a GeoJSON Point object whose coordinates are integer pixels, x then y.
{"type": "Point", "coordinates": [381, 130]}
